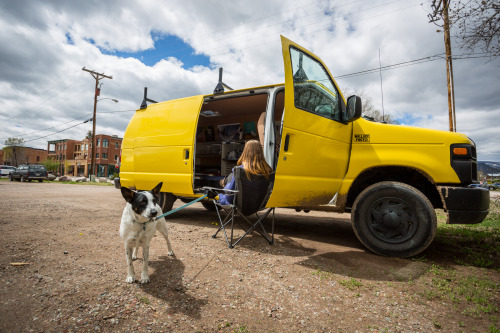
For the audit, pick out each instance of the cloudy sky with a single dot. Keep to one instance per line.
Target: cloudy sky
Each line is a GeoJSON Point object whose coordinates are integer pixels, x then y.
{"type": "Point", "coordinates": [176, 47]}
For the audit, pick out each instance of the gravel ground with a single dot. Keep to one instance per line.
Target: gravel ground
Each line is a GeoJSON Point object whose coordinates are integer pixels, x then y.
{"type": "Point", "coordinates": [70, 270]}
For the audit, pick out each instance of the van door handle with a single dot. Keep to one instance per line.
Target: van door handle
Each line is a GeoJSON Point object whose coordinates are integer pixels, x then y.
{"type": "Point", "coordinates": [186, 154]}
{"type": "Point", "coordinates": [287, 140]}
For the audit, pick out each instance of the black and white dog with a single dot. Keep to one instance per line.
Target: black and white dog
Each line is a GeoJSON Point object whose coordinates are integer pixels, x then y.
{"type": "Point", "coordinates": [138, 227]}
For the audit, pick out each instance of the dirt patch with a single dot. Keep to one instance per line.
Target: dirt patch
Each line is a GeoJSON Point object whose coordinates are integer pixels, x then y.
{"type": "Point", "coordinates": [317, 277]}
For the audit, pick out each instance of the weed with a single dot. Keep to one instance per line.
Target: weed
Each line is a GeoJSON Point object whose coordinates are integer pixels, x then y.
{"type": "Point", "coordinates": [493, 329]}
{"type": "Point", "coordinates": [323, 274]}
{"type": "Point", "coordinates": [351, 284]}
{"type": "Point", "coordinates": [482, 262]}
{"type": "Point", "coordinates": [436, 324]}
{"type": "Point", "coordinates": [144, 300]}
{"type": "Point", "coordinates": [241, 329]}
{"type": "Point", "coordinates": [420, 259]}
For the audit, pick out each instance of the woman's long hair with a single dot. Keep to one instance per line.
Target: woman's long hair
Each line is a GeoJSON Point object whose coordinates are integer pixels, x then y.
{"type": "Point", "coordinates": [253, 160]}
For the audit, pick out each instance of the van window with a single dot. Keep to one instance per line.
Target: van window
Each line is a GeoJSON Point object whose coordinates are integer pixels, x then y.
{"type": "Point", "coordinates": [314, 91]}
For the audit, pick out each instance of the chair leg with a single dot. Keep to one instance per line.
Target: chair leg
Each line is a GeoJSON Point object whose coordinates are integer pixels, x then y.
{"type": "Point", "coordinates": [232, 229]}
{"type": "Point", "coordinates": [223, 224]}
{"type": "Point", "coordinates": [253, 227]}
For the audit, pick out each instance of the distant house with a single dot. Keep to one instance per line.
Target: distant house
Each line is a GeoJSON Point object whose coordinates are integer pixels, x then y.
{"type": "Point", "coordinates": [74, 156]}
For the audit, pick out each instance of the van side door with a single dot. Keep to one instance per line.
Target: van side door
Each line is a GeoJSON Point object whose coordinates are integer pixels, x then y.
{"type": "Point", "coordinates": [315, 144]}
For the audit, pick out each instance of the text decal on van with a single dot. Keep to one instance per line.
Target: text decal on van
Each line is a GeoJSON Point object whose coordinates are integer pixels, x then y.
{"type": "Point", "coordinates": [361, 137]}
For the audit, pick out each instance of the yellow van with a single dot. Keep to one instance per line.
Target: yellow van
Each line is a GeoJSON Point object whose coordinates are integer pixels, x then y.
{"type": "Point", "coordinates": [325, 155]}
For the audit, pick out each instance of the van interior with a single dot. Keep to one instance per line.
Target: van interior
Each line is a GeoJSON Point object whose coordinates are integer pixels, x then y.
{"type": "Point", "coordinates": [225, 123]}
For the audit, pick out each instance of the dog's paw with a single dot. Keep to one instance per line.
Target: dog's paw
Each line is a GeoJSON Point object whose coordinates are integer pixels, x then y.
{"type": "Point", "coordinates": [170, 253]}
{"type": "Point", "coordinates": [130, 279]}
{"type": "Point", "coordinates": [144, 279]}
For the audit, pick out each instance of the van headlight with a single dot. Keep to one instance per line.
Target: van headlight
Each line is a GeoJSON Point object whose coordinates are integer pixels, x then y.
{"type": "Point", "coordinates": [464, 162]}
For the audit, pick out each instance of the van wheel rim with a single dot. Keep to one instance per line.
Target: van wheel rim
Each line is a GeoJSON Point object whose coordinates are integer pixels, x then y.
{"type": "Point", "coordinates": [392, 220]}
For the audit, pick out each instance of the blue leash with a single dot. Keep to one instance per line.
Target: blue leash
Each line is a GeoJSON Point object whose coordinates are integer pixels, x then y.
{"type": "Point", "coordinates": [177, 209]}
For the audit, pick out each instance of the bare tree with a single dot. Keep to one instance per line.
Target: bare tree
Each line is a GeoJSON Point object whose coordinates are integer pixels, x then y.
{"type": "Point", "coordinates": [476, 23]}
{"type": "Point", "coordinates": [369, 110]}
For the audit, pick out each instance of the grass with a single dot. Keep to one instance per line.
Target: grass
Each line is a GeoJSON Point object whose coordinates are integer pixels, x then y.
{"type": "Point", "coordinates": [472, 245]}
{"type": "Point", "coordinates": [474, 292]}
{"type": "Point", "coordinates": [80, 183]}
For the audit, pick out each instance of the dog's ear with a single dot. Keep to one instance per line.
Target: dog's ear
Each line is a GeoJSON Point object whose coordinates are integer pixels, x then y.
{"type": "Point", "coordinates": [128, 194]}
{"type": "Point", "coordinates": [157, 189]}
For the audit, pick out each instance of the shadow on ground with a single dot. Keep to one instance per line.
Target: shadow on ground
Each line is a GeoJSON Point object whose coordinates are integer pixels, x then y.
{"type": "Point", "coordinates": [327, 243]}
{"type": "Point", "coordinates": [167, 285]}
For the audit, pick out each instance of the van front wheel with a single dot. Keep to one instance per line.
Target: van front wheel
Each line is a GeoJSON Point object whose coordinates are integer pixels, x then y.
{"type": "Point", "coordinates": [166, 201]}
{"type": "Point", "coordinates": [394, 219]}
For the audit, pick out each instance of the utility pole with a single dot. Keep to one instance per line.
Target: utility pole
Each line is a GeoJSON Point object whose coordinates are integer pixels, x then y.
{"type": "Point", "coordinates": [440, 10]}
{"type": "Point", "coordinates": [97, 77]}
{"type": "Point", "coordinates": [449, 67]}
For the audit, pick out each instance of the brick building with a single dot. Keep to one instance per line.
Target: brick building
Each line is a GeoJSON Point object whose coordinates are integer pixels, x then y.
{"type": "Point", "coordinates": [75, 156]}
{"type": "Point", "coordinates": [107, 153]}
{"type": "Point", "coordinates": [18, 155]}
{"type": "Point", "coordinates": [61, 151]}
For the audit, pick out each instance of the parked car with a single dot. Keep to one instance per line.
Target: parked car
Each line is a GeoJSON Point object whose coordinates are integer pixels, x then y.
{"type": "Point", "coordinates": [5, 169]}
{"type": "Point", "coordinates": [494, 186]}
{"type": "Point", "coordinates": [29, 173]}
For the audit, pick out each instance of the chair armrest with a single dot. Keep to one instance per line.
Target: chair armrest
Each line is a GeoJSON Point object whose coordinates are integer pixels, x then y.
{"type": "Point", "coordinates": [220, 190]}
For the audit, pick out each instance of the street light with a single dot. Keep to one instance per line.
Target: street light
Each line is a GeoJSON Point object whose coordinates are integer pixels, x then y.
{"type": "Point", "coordinates": [113, 99]}
{"type": "Point", "coordinates": [92, 161]}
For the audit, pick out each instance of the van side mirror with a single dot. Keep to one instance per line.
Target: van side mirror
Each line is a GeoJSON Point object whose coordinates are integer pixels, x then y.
{"type": "Point", "coordinates": [354, 108]}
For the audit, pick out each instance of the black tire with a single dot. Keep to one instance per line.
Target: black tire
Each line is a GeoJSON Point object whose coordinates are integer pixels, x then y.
{"type": "Point", "coordinates": [166, 201]}
{"type": "Point", "coordinates": [10, 178]}
{"type": "Point", "coordinates": [394, 219]}
{"type": "Point", "coordinates": [208, 205]}
{"type": "Point", "coordinates": [40, 180]}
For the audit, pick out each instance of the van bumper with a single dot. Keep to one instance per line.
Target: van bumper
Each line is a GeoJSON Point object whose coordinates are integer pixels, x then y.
{"type": "Point", "coordinates": [465, 205]}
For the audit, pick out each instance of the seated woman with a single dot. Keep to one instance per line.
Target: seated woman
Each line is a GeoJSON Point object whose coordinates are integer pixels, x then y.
{"type": "Point", "coordinates": [253, 162]}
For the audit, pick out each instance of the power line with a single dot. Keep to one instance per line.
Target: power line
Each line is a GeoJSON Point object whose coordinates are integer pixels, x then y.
{"type": "Point", "coordinates": [86, 121]}
{"type": "Point", "coordinates": [27, 134]}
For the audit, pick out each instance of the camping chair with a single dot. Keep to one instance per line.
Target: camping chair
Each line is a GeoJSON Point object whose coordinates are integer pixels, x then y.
{"type": "Point", "coordinates": [250, 198]}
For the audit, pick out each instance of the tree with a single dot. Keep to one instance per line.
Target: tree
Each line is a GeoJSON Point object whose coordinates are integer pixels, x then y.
{"type": "Point", "coordinates": [476, 23]}
{"type": "Point", "coordinates": [89, 135]}
{"type": "Point", "coordinates": [50, 165]}
{"type": "Point", "coordinates": [369, 110]}
{"type": "Point", "coordinates": [15, 151]}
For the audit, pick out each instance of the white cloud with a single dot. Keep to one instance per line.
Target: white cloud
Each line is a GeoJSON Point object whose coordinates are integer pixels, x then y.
{"type": "Point", "coordinates": [45, 45]}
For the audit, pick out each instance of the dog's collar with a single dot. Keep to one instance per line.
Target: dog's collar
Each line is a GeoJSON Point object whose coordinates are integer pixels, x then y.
{"type": "Point", "coordinates": [144, 223]}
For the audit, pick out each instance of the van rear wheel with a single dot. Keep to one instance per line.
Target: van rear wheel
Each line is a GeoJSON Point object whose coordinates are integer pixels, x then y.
{"type": "Point", "coordinates": [166, 201]}
{"type": "Point", "coordinates": [394, 219]}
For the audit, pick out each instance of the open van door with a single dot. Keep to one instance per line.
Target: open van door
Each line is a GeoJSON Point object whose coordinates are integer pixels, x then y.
{"type": "Point", "coordinates": [158, 146]}
{"type": "Point", "coordinates": [315, 144]}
